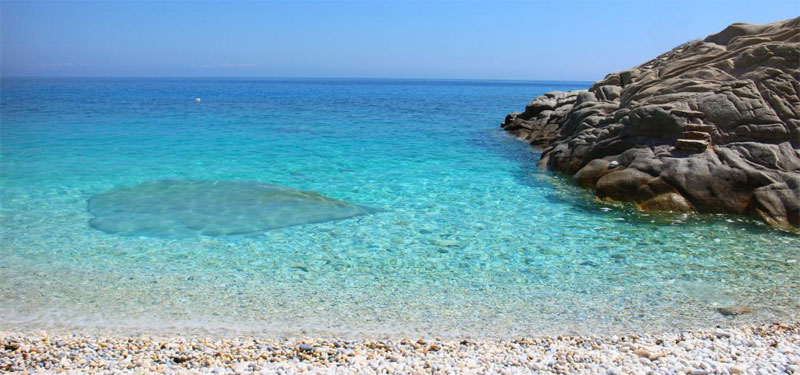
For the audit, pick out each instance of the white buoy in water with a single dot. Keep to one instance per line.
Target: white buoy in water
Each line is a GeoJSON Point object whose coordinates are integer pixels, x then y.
{"type": "Point", "coordinates": [197, 100]}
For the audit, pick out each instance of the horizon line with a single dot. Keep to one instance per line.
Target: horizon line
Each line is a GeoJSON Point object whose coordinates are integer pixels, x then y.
{"type": "Point", "coordinates": [294, 78]}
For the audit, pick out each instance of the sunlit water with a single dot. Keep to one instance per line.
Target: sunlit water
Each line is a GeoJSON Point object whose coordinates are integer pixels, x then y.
{"type": "Point", "coordinates": [471, 238]}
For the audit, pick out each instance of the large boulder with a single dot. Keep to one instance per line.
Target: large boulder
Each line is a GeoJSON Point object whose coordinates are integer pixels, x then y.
{"type": "Point", "coordinates": [712, 126]}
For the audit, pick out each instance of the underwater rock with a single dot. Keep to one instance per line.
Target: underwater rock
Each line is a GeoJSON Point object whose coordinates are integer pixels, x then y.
{"type": "Point", "coordinates": [734, 310]}
{"type": "Point", "coordinates": [712, 126]}
{"type": "Point", "coordinates": [188, 208]}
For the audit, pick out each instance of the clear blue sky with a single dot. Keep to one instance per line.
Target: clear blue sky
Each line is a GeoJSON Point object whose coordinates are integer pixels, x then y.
{"type": "Point", "coordinates": [546, 40]}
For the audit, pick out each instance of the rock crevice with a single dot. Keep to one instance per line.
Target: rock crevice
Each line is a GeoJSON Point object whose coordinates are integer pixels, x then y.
{"type": "Point", "coordinates": [712, 126]}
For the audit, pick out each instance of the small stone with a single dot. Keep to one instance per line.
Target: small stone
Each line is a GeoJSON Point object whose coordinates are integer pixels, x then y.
{"type": "Point", "coordinates": [657, 355]}
{"type": "Point", "coordinates": [736, 369]}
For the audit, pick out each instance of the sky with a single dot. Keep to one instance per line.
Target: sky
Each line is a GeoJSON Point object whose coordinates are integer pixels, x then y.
{"type": "Point", "coordinates": [518, 40]}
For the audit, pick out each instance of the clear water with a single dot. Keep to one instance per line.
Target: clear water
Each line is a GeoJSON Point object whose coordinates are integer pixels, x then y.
{"type": "Point", "coordinates": [474, 240]}
{"type": "Point", "coordinates": [190, 208]}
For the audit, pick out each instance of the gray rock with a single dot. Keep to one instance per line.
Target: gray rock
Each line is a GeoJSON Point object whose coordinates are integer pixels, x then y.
{"type": "Point", "coordinates": [734, 310]}
{"type": "Point", "coordinates": [712, 125]}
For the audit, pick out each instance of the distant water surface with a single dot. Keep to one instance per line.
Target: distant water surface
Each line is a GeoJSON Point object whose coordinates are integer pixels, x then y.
{"type": "Point", "coordinates": [471, 239]}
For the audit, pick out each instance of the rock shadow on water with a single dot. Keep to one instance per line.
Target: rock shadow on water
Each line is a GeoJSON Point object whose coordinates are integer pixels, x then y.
{"type": "Point", "coordinates": [190, 208]}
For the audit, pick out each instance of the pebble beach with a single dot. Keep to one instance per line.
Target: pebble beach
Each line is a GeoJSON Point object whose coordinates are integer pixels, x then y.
{"type": "Point", "coordinates": [755, 349]}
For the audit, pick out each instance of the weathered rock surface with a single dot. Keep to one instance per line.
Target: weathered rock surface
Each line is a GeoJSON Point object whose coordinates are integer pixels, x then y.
{"type": "Point", "coordinates": [712, 126]}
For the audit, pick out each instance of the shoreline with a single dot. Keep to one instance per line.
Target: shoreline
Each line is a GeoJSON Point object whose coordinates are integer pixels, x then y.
{"type": "Point", "coordinates": [283, 327]}
{"type": "Point", "coordinates": [774, 348]}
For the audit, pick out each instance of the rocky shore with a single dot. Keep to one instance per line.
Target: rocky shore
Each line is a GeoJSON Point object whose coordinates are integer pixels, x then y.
{"type": "Point", "coordinates": [767, 349]}
{"type": "Point", "coordinates": [710, 126]}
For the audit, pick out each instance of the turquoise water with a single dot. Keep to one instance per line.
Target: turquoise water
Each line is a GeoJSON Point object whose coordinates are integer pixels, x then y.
{"type": "Point", "coordinates": [471, 238]}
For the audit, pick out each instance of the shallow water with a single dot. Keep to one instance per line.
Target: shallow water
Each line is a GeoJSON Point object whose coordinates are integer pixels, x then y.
{"type": "Point", "coordinates": [191, 208]}
{"type": "Point", "coordinates": [474, 240]}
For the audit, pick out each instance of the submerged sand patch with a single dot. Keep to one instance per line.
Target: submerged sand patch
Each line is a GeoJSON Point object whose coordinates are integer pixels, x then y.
{"type": "Point", "coordinates": [188, 208]}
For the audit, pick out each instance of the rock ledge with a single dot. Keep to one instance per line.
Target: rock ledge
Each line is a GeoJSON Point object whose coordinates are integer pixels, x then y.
{"type": "Point", "coordinates": [711, 126]}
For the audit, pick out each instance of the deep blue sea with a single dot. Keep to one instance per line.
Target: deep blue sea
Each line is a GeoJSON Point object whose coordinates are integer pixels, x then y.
{"type": "Point", "coordinates": [464, 235]}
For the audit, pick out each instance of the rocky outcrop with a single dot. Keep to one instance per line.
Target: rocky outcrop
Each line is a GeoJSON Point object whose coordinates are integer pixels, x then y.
{"type": "Point", "coordinates": [712, 126]}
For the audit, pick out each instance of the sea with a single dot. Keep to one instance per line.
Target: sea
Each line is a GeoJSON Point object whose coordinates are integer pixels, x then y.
{"type": "Point", "coordinates": [464, 236]}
